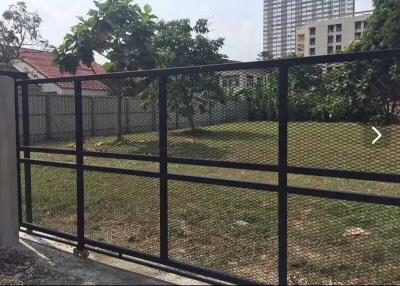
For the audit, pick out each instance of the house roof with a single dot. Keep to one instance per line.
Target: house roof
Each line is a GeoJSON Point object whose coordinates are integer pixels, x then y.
{"type": "Point", "coordinates": [42, 62]}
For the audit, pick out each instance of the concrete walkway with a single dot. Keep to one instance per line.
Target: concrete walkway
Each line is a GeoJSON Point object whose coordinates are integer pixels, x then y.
{"type": "Point", "coordinates": [100, 269]}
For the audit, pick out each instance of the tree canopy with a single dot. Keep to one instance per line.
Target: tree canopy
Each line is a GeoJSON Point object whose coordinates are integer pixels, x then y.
{"type": "Point", "coordinates": [19, 28]}
{"type": "Point", "coordinates": [119, 30]}
{"type": "Point", "coordinates": [132, 38]}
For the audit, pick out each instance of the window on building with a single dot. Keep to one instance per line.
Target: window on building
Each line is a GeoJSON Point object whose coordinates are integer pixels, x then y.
{"type": "Point", "coordinates": [338, 49]}
{"type": "Point", "coordinates": [312, 31]}
{"type": "Point", "coordinates": [357, 36]}
{"type": "Point", "coordinates": [250, 81]}
{"type": "Point", "coordinates": [358, 25]}
{"type": "Point", "coordinates": [312, 52]}
{"type": "Point", "coordinates": [338, 38]}
{"type": "Point", "coordinates": [331, 28]}
{"type": "Point", "coordinates": [365, 24]}
{"type": "Point", "coordinates": [330, 50]}
{"type": "Point", "coordinates": [338, 27]}
{"type": "Point", "coordinates": [330, 39]}
{"type": "Point", "coordinates": [312, 41]}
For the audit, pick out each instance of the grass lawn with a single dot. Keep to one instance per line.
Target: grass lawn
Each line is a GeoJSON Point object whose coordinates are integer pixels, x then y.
{"type": "Point", "coordinates": [235, 230]}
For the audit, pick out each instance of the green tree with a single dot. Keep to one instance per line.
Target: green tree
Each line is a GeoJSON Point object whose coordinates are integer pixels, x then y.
{"type": "Point", "coordinates": [265, 55]}
{"type": "Point", "coordinates": [373, 86]}
{"type": "Point", "coordinates": [119, 30]}
{"type": "Point", "coordinates": [180, 44]}
{"type": "Point", "coordinates": [131, 39]}
{"type": "Point", "coordinates": [19, 28]}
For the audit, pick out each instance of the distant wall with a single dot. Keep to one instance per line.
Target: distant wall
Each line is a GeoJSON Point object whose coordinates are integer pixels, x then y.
{"type": "Point", "coordinates": [52, 116]}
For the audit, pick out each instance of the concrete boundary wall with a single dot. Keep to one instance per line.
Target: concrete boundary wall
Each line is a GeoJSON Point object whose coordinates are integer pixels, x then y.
{"type": "Point", "coordinates": [52, 116]}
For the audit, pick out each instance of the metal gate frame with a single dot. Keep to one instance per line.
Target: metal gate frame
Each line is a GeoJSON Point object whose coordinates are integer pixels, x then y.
{"type": "Point", "coordinates": [283, 169]}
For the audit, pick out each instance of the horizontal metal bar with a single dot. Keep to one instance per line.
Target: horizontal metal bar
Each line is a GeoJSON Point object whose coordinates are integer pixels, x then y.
{"type": "Point", "coordinates": [344, 174]}
{"type": "Point", "coordinates": [122, 156]}
{"type": "Point", "coordinates": [171, 263]}
{"type": "Point", "coordinates": [224, 164]}
{"type": "Point", "coordinates": [345, 196]}
{"type": "Point", "coordinates": [49, 231]}
{"type": "Point", "coordinates": [365, 176]}
{"type": "Point", "coordinates": [337, 58]}
{"type": "Point", "coordinates": [224, 182]}
{"type": "Point", "coordinates": [115, 248]}
{"type": "Point", "coordinates": [157, 266]}
{"type": "Point", "coordinates": [120, 255]}
{"type": "Point", "coordinates": [117, 253]}
{"type": "Point", "coordinates": [14, 75]}
{"type": "Point", "coordinates": [120, 171]}
{"type": "Point", "coordinates": [49, 237]}
{"type": "Point", "coordinates": [49, 163]}
{"type": "Point", "coordinates": [48, 150]}
{"type": "Point", "coordinates": [214, 274]}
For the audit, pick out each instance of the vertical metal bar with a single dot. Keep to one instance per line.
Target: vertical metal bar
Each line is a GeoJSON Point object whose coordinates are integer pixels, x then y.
{"type": "Point", "coordinates": [27, 153]}
{"type": "Point", "coordinates": [127, 119]}
{"type": "Point", "coordinates": [92, 116]}
{"type": "Point", "coordinates": [163, 132]}
{"type": "Point", "coordinates": [17, 140]}
{"type": "Point", "coordinates": [79, 165]}
{"type": "Point", "coordinates": [283, 160]}
{"type": "Point", "coordinates": [47, 116]}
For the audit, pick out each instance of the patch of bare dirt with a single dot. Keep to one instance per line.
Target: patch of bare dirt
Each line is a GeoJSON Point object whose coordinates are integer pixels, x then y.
{"type": "Point", "coordinates": [20, 266]}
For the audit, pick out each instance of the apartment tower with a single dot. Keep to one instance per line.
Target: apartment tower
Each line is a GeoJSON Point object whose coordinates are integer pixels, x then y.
{"type": "Point", "coordinates": [281, 17]}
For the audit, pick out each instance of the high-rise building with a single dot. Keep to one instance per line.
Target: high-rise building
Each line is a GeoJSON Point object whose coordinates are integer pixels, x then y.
{"type": "Point", "coordinates": [330, 35]}
{"type": "Point", "coordinates": [281, 17]}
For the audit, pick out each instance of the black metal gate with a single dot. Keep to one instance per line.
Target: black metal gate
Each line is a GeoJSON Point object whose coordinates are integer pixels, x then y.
{"type": "Point", "coordinates": [106, 170]}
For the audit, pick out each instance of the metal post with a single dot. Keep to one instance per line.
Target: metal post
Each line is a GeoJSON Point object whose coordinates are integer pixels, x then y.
{"type": "Point", "coordinates": [79, 168]}
{"type": "Point", "coordinates": [27, 154]}
{"type": "Point", "coordinates": [127, 119]}
{"type": "Point", "coordinates": [47, 116]}
{"type": "Point", "coordinates": [282, 201]}
{"type": "Point", "coordinates": [17, 141]}
{"type": "Point", "coordinates": [153, 115]}
{"type": "Point", "coordinates": [92, 116]}
{"type": "Point", "coordinates": [163, 168]}
{"type": "Point", "coordinates": [119, 116]}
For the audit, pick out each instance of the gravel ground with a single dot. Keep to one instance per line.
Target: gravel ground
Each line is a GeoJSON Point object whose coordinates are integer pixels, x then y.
{"type": "Point", "coordinates": [20, 266]}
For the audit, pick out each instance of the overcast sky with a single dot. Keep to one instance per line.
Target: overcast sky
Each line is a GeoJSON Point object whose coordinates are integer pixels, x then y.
{"type": "Point", "coordinates": [238, 21]}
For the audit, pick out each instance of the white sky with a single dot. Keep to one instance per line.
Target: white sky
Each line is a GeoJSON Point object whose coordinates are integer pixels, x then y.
{"type": "Point", "coordinates": [240, 22]}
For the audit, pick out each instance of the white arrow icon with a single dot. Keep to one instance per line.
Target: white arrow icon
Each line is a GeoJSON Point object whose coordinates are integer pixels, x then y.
{"type": "Point", "coordinates": [379, 135]}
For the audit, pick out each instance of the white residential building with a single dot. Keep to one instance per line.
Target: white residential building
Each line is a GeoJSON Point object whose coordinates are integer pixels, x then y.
{"type": "Point", "coordinates": [329, 35]}
{"type": "Point", "coordinates": [281, 17]}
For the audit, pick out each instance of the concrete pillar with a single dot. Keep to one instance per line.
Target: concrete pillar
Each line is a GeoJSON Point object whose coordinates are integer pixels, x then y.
{"type": "Point", "coordinates": [8, 166]}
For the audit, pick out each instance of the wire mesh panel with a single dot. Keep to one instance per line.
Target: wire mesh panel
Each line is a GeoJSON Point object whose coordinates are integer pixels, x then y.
{"type": "Point", "coordinates": [52, 115]}
{"type": "Point", "coordinates": [226, 116]}
{"type": "Point", "coordinates": [54, 198]}
{"type": "Point", "coordinates": [122, 117]}
{"type": "Point", "coordinates": [333, 110]}
{"type": "Point", "coordinates": [336, 242]}
{"type": "Point", "coordinates": [225, 229]}
{"type": "Point", "coordinates": [123, 210]}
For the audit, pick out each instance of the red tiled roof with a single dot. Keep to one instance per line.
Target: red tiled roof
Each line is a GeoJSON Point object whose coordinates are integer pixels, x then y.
{"type": "Point", "coordinates": [42, 61]}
